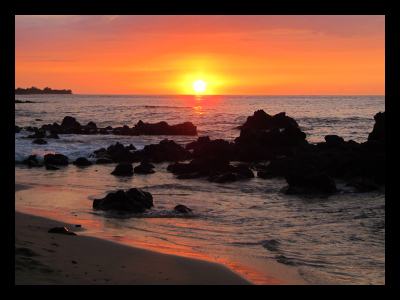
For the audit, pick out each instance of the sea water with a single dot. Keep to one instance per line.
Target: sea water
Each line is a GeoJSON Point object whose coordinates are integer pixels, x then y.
{"type": "Point", "coordinates": [336, 239]}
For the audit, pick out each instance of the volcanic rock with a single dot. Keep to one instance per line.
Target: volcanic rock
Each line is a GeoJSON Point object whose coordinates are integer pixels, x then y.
{"type": "Point", "coordinates": [182, 209]}
{"type": "Point", "coordinates": [262, 120]}
{"type": "Point", "coordinates": [56, 159]}
{"type": "Point", "coordinates": [145, 167]}
{"type": "Point", "coordinates": [82, 161]}
{"type": "Point", "coordinates": [166, 150]}
{"type": "Point", "coordinates": [39, 142]}
{"type": "Point", "coordinates": [162, 128]}
{"type": "Point", "coordinates": [69, 121]}
{"type": "Point", "coordinates": [61, 230]}
{"type": "Point", "coordinates": [378, 132]}
{"type": "Point", "coordinates": [132, 201]}
{"type": "Point", "coordinates": [123, 169]}
{"type": "Point", "coordinates": [32, 161]}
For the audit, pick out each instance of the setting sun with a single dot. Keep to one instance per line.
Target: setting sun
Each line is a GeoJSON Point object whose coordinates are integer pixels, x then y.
{"type": "Point", "coordinates": [199, 86]}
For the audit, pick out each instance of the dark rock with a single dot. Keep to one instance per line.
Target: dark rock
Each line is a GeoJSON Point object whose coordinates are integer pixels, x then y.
{"type": "Point", "coordinates": [334, 140]}
{"type": "Point", "coordinates": [38, 134]}
{"type": "Point", "coordinates": [62, 230]}
{"type": "Point", "coordinates": [204, 166]}
{"type": "Point", "coordinates": [293, 136]}
{"type": "Point", "coordinates": [91, 124]}
{"type": "Point", "coordinates": [53, 136]}
{"type": "Point", "coordinates": [100, 152]}
{"type": "Point", "coordinates": [82, 161]}
{"type": "Point", "coordinates": [271, 245]}
{"type": "Point", "coordinates": [32, 161]}
{"type": "Point", "coordinates": [344, 160]}
{"type": "Point", "coordinates": [56, 159]}
{"type": "Point", "coordinates": [123, 169]}
{"type": "Point", "coordinates": [162, 128]}
{"type": "Point", "coordinates": [166, 150]}
{"type": "Point", "coordinates": [218, 147]}
{"type": "Point", "coordinates": [308, 177]}
{"type": "Point", "coordinates": [266, 174]}
{"type": "Point", "coordinates": [31, 128]}
{"type": "Point", "coordinates": [104, 161]}
{"type": "Point", "coordinates": [301, 176]}
{"type": "Point", "coordinates": [69, 121]}
{"type": "Point", "coordinates": [192, 175]}
{"type": "Point", "coordinates": [253, 152]}
{"type": "Point", "coordinates": [378, 132]}
{"type": "Point", "coordinates": [124, 130]}
{"type": "Point", "coordinates": [182, 209]}
{"type": "Point", "coordinates": [217, 169]}
{"type": "Point", "coordinates": [244, 171]}
{"type": "Point", "coordinates": [132, 201]}
{"type": "Point", "coordinates": [189, 146]}
{"type": "Point", "coordinates": [263, 137]}
{"type": "Point", "coordinates": [142, 197]}
{"type": "Point", "coordinates": [21, 101]}
{"type": "Point", "coordinates": [200, 140]}
{"type": "Point", "coordinates": [103, 131]}
{"type": "Point", "coordinates": [17, 129]}
{"type": "Point", "coordinates": [70, 125]}
{"type": "Point", "coordinates": [119, 153]}
{"type": "Point", "coordinates": [373, 167]}
{"type": "Point", "coordinates": [262, 120]}
{"type": "Point", "coordinates": [51, 168]}
{"type": "Point", "coordinates": [73, 130]}
{"type": "Point", "coordinates": [186, 168]}
{"type": "Point", "coordinates": [39, 142]}
{"type": "Point", "coordinates": [144, 168]}
{"type": "Point", "coordinates": [226, 177]}
{"type": "Point", "coordinates": [362, 184]}
{"type": "Point", "coordinates": [272, 139]}
{"type": "Point", "coordinates": [186, 128]}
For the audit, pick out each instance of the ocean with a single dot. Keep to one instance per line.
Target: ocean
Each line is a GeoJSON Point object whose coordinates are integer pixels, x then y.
{"type": "Point", "coordinates": [248, 224]}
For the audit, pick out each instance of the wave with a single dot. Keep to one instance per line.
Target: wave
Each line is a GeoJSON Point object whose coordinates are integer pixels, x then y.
{"type": "Point", "coordinates": [330, 120]}
{"type": "Point", "coordinates": [153, 213]}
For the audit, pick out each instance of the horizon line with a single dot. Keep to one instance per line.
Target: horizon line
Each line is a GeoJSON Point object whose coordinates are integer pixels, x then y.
{"type": "Point", "coordinates": [212, 94]}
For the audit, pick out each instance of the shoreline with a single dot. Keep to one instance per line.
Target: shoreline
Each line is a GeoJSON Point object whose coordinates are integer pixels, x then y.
{"type": "Point", "coordinates": [51, 258]}
{"type": "Point", "coordinates": [48, 258]}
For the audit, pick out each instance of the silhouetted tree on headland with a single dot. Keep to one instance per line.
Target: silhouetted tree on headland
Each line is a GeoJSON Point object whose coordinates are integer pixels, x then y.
{"type": "Point", "coordinates": [35, 90]}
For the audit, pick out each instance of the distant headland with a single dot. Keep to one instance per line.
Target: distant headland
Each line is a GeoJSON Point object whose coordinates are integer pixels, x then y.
{"type": "Point", "coordinates": [35, 90]}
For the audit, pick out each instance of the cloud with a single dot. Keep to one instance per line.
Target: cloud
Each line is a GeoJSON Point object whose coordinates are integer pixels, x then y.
{"type": "Point", "coordinates": [130, 26]}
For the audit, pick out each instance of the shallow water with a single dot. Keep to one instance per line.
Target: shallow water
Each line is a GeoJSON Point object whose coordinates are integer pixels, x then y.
{"type": "Point", "coordinates": [337, 239]}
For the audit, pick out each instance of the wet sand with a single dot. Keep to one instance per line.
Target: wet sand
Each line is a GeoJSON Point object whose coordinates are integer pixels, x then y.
{"type": "Point", "coordinates": [52, 258]}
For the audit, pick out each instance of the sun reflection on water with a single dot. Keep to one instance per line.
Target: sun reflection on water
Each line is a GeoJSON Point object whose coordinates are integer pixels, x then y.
{"type": "Point", "coordinates": [199, 110]}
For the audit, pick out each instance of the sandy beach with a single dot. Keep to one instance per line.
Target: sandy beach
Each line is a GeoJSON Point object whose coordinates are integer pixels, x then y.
{"type": "Point", "coordinates": [43, 258]}
{"type": "Point", "coordinates": [51, 258]}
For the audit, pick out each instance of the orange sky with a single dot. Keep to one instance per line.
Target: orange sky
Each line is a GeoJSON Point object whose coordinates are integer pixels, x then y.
{"type": "Point", "coordinates": [241, 55]}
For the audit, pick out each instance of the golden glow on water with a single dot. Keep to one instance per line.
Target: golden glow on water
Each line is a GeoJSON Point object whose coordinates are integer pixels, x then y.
{"type": "Point", "coordinates": [58, 203]}
{"type": "Point", "coordinates": [199, 110]}
{"type": "Point", "coordinates": [251, 275]}
{"type": "Point", "coordinates": [39, 199]}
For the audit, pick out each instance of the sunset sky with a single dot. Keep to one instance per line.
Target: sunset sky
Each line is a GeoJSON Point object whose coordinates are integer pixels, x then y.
{"type": "Point", "coordinates": [234, 55]}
